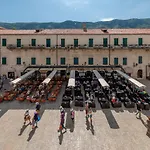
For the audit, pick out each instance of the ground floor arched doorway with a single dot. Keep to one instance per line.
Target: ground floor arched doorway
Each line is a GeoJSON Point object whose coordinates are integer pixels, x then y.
{"type": "Point", "coordinates": [11, 75]}
{"type": "Point", "coordinates": [140, 73]}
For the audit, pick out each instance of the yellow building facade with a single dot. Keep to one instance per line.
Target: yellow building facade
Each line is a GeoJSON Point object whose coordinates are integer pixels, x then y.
{"type": "Point", "coordinates": [129, 48]}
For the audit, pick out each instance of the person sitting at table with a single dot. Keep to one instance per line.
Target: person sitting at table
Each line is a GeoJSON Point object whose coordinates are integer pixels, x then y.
{"type": "Point", "coordinates": [113, 99]}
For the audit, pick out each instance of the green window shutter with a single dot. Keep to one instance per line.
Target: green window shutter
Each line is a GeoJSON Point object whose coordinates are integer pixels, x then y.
{"type": "Point", "coordinates": [90, 42]}
{"type": "Point", "coordinates": [105, 61]}
{"type": "Point", "coordinates": [125, 42]}
{"type": "Point", "coordinates": [90, 61]}
{"type": "Point", "coordinates": [140, 41]}
{"type": "Point", "coordinates": [48, 42]}
{"type": "Point", "coordinates": [140, 60]}
{"type": "Point", "coordinates": [76, 61]}
{"type": "Point", "coordinates": [62, 42]}
{"type": "Point", "coordinates": [75, 42]}
{"type": "Point", "coordinates": [33, 61]}
{"type": "Point", "coordinates": [124, 61]}
{"type": "Point", "coordinates": [63, 61]}
{"type": "Point", "coordinates": [105, 42]}
{"type": "Point", "coordinates": [115, 61]}
{"type": "Point", "coordinates": [18, 61]}
{"type": "Point", "coordinates": [18, 42]}
{"type": "Point", "coordinates": [4, 42]}
{"type": "Point", "coordinates": [4, 60]}
{"type": "Point", "coordinates": [33, 42]}
{"type": "Point", "coordinates": [48, 61]}
{"type": "Point", "coordinates": [116, 42]}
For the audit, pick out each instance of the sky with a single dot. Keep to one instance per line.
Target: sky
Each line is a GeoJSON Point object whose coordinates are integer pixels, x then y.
{"type": "Point", "coordinates": [76, 10]}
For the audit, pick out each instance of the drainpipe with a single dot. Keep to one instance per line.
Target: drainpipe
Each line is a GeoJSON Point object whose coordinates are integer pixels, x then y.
{"type": "Point", "coordinates": [109, 50]}
{"type": "Point", "coordinates": [57, 49]}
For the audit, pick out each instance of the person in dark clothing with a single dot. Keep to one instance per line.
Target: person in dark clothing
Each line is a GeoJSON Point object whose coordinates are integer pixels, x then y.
{"type": "Point", "coordinates": [35, 120]}
{"type": "Point", "coordinates": [38, 106]}
{"type": "Point", "coordinates": [139, 109]}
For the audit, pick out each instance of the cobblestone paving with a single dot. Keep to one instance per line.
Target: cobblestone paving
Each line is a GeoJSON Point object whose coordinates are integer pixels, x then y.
{"type": "Point", "coordinates": [113, 129]}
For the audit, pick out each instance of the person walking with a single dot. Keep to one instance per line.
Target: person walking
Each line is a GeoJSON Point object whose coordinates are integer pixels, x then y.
{"type": "Point", "coordinates": [86, 109]}
{"type": "Point", "coordinates": [27, 117]}
{"type": "Point", "coordinates": [62, 120]}
{"type": "Point", "coordinates": [90, 115]}
{"type": "Point", "coordinates": [72, 114]}
{"type": "Point", "coordinates": [35, 120]}
{"type": "Point", "coordinates": [38, 107]}
{"type": "Point", "coordinates": [139, 110]}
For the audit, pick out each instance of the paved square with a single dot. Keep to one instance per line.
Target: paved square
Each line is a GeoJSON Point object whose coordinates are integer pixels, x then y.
{"type": "Point", "coordinates": [113, 129]}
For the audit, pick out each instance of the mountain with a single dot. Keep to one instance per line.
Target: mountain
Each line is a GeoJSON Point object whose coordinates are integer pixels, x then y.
{"type": "Point", "coordinates": [130, 23]}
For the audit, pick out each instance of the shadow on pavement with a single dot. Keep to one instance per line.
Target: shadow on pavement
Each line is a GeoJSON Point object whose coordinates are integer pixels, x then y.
{"type": "Point", "coordinates": [2, 112]}
{"type": "Point", "coordinates": [31, 134]}
{"type": "Point", "coordinates": [111, 119]}
{"type": "Point", "coordinates": [23, 128]}
{"type": "Point", "coordinates": [69, 123]}
{"type": "Point", "coordinates": [60, 137]}
{"type": "Point", "coordinates": [87, 124]}
{"type": "Point", "coordinates": [92, 129]}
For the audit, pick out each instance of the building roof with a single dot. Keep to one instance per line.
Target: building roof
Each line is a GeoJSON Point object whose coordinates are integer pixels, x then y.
{"type": "Point", "coordinates": [74, 31]}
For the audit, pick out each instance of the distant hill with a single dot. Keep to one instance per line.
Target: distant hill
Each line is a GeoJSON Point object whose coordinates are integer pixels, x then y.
{"type": "Point", "coordinates": [130, 23]}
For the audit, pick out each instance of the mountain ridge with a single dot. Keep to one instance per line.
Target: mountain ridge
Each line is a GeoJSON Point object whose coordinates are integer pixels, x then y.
{"type": "Point", "coordinates": [69, 24]}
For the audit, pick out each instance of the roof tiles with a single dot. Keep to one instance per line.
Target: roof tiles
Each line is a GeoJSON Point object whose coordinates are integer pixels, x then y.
{"type": "Point", "coordinates": [74, 31]}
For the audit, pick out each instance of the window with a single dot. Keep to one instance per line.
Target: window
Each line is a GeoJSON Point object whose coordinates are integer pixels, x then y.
{"type": "Point", "coordinates": [115, 41]}
{"type": "Point", "coordinates": [140, 60]}
{"type": "Point", "coordinates": [105, 42]}
{"type": "Point", "coordinates": [140, 41]}
{"type": "Point", "coordinates": [4, 42]}
{"type": "Point", "coordinates": [48, 61]}
{"type": "Point", "coordinates": [105, 61]}
{"type": "Point", "coordinates": [62, 42]}
{"type": "Point", "coordinates": [18, 61]}
{"type": "Point", "coordinates": [18, 42]}
{"type": "Point", "coordinates": [48, 42]}
{"type": "Point", "coordinates": [90, 61]}
{"type": "Point", "coordinates": [76, 61]}
{"type": "Point", "coordinates": [33, 61]}
{"type": "Point", "coordinates": [33, 42]}
{"type": "Point", "coordinates": [75, 42]}
{"type": "Point", "coordinates": [4, 60]}
{"type": "Point", "coordinates": [62, 61]}
{"type": "Point", "coordinates": [124, 61]}
{"type": "Point", "coordinates": [90, 42]}
{"type": "Point", "coordinates": [115, 61]}
{"type": "Point", "coordinates": [125, 42]}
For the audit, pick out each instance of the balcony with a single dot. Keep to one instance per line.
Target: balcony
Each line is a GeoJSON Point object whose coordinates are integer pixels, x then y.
{"type": "Point", "coordinates": [11, 46]}
{"type": "Point", "coordinates": [82, 46]}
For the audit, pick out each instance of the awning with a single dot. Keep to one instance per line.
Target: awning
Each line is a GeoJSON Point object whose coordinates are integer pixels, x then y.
{"type": "Point", "coordinates": [23, 77]}
{"type": "Point", "coordinates": [71, 82]}
{"type": "Point", "coordinates": [133, 81]}
{"type": "Point", "coordinates": [49, 78]}
{"type": "Point", "coordinates": [100, 79]}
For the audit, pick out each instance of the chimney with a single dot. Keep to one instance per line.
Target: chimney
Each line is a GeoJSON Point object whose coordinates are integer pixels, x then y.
{"type": "Point", "coordinates": [84, 27]}
{"type": "Point", "coordinates": [38, 30]}
{"type": "Point", "coordinates": [104, 30]}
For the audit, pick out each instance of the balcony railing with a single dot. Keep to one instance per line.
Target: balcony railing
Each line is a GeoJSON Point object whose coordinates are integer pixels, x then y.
{"type": "Point", "coordinates": [11, 46]}
{"type": "Point", "coordinates": [84, 46]}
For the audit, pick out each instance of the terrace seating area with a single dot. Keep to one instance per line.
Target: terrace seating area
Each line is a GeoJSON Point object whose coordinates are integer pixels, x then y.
{"type": "Point", "coordinates": [35, 88]}
{"type": "Point", "coordinates": [109, 88]}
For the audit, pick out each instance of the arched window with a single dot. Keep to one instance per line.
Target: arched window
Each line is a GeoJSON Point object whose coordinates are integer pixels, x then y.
{"type": "Point", "coordinates": [140, 73]}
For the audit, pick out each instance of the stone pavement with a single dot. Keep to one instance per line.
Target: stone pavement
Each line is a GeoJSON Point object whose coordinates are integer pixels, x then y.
{"type": "Point", "coordinates": [113, 129]}
{"type": "Point", "coordinates": [123, 132]}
